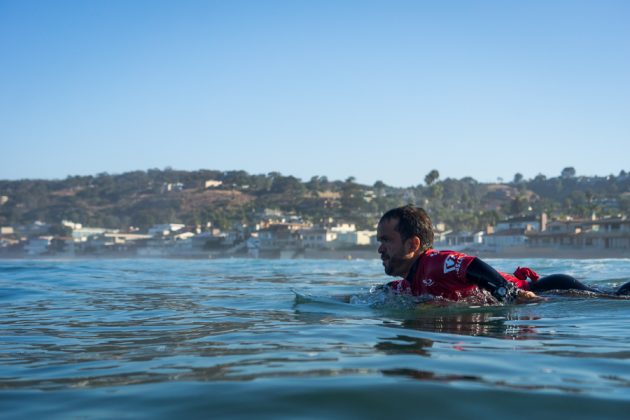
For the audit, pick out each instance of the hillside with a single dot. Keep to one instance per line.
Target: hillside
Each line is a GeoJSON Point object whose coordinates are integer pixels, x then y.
{"type": "Point", "coordinates": [144, 198]}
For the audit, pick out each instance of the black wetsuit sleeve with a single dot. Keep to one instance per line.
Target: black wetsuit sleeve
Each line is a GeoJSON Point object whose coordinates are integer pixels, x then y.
{"type": "Point", "coordinates": [488, 278]}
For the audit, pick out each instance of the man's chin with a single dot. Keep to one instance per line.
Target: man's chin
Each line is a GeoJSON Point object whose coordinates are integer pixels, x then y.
{"type": "Point", "coordinates": [392, 269]}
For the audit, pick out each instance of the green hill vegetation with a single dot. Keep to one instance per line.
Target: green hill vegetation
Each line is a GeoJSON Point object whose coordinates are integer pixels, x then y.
{"type": "Point", "coordinates": [144, 198]}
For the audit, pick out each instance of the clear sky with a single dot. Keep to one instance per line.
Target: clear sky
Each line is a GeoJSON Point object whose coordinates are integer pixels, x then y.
{"type": "Point", "coordinates": [378, 90]}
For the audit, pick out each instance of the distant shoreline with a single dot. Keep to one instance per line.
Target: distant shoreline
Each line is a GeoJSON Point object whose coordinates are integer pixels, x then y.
{"type": "Point", "coordinates": [363, 254]}
{"type": "Point", "coordinates": [511, 253]}
{"type": "Point", "coordinates": [508, 253]}
{"type": "Point", "coordinates": [553, 253]}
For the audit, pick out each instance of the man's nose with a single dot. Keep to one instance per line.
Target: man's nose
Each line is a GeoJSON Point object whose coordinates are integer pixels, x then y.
{"type": "Point", "coordinates": [380, 249]}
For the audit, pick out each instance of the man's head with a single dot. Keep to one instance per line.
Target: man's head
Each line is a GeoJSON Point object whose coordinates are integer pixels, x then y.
{"type": "Point", "coordinates": [404, 233]}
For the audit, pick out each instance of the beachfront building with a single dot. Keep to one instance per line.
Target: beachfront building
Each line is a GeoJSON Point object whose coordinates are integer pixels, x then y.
{"type": "Point", "coordinates": [462, 240]}
{"type": "Point", "coordinates": [279, 238]}
{"type": "Point", "coordinates": [318, 238]}
{"type": "Point", "coordinates": [339, 235]}
{"type": "Point", "coordinates": [112, 243]}
{"type": "Point", "coordinates": [356, 238]}
{"type": "Point", "coordinates": [609, 233]}
{"type": "Point", "coordinates": [505, 238]}
{"type": "Point", "coordinates": [343, 227]}
{"type": "Point", "coordinates": [439, 234]}
{"type": "Point", "coordinates": [82, 234]}
{"type": "Point", "coordinates": [165, 229]}
{"type": "Point", "coordinates": [523, 223]}
{"type": "Point", "coordinates": [513, 232]}
{"type": "Point", "coordinates": [34, 229]}
{"type": "Point", "coordinates": [38, 246]}
{"type": "Point", "coordinates": [9, 244]}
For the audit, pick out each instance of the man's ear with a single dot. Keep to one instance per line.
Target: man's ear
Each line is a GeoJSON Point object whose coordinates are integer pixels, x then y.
{"type": "Point", "coordinates": [413, 244]}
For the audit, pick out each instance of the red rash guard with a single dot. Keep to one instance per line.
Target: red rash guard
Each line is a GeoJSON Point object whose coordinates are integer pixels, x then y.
{"type": "Point", "coordinates": [443, 273]}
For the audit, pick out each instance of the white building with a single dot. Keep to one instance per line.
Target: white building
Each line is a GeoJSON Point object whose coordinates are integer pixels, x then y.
{"type": "Point", "coordinates": [172, 186]}
{"type": "Point", "coordinates": [514, 231]}
{"type": "Point", "coordinates": [339, 236]}
{"type": "Point", "coordinates": [84, 233]}
{"type": "Point", "coordinates": [318, 238]}
{"type": "Point", "coordinates": [211, 183]}
{"type": "Point", "coordinates": [6, 230]}
{"type": "Point", "coordinates": [526, 223]}
{"type": "Point", "coordinates": [456, 240]}
{"type": "Point", "coordinates": [70, 224]}
{"type": "Point", "coordinates": [612, 233]}
{"type": "Point", "coordinates": [343, 228]}
{"type": "Point", "coordinates": [505, 238]}
{"type": "Point", "coordinates": [357, 238]}
{"type": "Point", "coordinates": [165, 229]}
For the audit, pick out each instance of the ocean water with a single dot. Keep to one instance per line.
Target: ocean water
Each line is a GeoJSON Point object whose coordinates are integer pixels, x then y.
{"type": "Point", "coordinates": [269, 339]}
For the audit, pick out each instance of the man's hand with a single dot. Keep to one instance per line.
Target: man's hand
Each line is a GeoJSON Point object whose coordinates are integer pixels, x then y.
{"type": "Point", "coordinates": [525, 296]}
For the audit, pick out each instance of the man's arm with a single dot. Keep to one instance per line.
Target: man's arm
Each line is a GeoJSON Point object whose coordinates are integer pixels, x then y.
{"type": "Point", "coordinates": [488, 278]}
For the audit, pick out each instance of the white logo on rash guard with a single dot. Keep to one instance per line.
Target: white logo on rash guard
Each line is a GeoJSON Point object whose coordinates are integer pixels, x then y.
{"type": "Point", "coordinates": [428, 282]}
{"type": "Point", "coordinates": [452, 263]}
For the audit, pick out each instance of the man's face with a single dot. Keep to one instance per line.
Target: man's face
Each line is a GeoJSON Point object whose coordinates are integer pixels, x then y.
{"type": "Point", "coordinates": [396, 255]}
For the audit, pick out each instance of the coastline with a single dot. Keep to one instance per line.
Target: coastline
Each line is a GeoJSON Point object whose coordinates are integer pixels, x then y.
{"type": "Point", "coordinates": [507, 252]}
{"type": "Point", "coordinates": [555, 253]}
{"type": "Point", "coordinates": [352, 254]}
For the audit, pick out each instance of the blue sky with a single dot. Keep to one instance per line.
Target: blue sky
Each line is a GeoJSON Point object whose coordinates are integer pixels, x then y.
{"type": "Point", "coordinates": [378, 90]}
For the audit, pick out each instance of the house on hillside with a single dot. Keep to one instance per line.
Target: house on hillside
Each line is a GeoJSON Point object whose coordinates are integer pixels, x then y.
{"type": "Point", "coordinates": [172, 187]}
{"type": "Point", "coordinates": [212, 183]}
{"type": "Point", "coordinates": [6, 230]}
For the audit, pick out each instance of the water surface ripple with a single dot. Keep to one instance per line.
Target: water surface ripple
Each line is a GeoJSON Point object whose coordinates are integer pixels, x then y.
{"type": "Point", "coordinates": [157, 338]}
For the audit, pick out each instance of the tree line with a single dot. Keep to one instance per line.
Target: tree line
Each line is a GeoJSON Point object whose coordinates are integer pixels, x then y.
{"type": "Point", "coordinates": [144, 198]}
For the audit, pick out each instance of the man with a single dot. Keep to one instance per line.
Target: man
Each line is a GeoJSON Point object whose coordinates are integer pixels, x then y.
{"type": "Point", "coordinates": [406, 239]}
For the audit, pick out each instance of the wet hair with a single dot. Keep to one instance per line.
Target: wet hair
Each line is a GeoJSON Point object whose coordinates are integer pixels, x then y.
{"type": "Point", "coordinates": [412, 221]}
